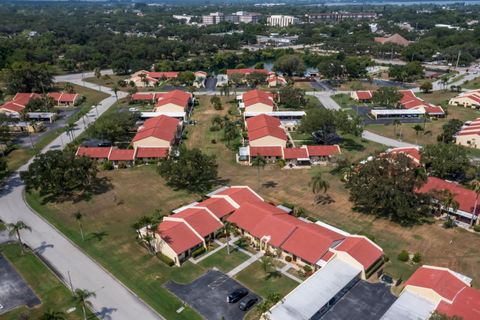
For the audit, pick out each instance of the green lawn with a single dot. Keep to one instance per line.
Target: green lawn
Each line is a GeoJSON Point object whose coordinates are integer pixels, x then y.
{"type": "Point", "coordinates": [224, 261]}
{"type": "Point", "coordinates": [53, 294]}
{"type": "Point", "coordinates": [254, 277]}
{"type": "Point", "coordinates": [472, 84]}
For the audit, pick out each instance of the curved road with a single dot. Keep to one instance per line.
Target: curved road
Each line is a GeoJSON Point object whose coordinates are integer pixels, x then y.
{"type": "Point", "coordinates": [113, 300]}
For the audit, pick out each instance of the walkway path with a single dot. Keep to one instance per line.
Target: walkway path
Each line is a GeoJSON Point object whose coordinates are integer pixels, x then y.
{"type": "Point", "coordinates": [113, 300]}
{"type": "Point", "coordinates": [386, 141]}
{"type": "Point", "coordinates": [245, 264]}
{"type": "Point", "coordinates": [284, 271]}
{"type": "Point", "coordinates": [221, 245]}
{"type": "Point", "coordinates": [325, 98]}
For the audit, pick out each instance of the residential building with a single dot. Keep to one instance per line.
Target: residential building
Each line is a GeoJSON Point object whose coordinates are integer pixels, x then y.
{"type": "Point", "coordinates": [394, 39]}
{"type": "Point", "coordinates": [265, 131]}
{"type": "Point", "coordinates": [362, 96]}
{"type": "Point", "coordinates": [200, 78]}
{"type": "Point", "coordinates": [290, 120]}
{"type": "Point", "coordinates": [470, 99]}
{"type": "Point", "coordinates": [469, 135]}
{"type": "Point", "coordinates": [340, 16]}
{"type": "Point", "coordinates": [282, 21]}
{"type": "Point", "coordinates": [158, 132]}
{"type": "Point", "coordinates": [20, 101]}
{"type": "Point", "coordinates": [213, 18]}
{"type": "Point", "coordinates": [256, 101]}
{"type": "Point", "coordinates": [143, 78]}
{"type": "Point", "coordinates": [276, 81]}
{"type": "Point", "coordinates": [246, 71]}
{"type": "Point", "coordinates": [468, 205]}
{"type": "Point", "coordinates": [294, 157]}
{"type": "Point", "coordinates": [438, 289]}
{"type": "Point", "coordinates": [174, 101]}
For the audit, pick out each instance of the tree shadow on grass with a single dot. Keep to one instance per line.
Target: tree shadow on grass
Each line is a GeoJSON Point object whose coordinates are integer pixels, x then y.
{"type": "Point", "coordinates": [324, 199]}
{"type": "Point", "coordinates": [99, 186]}
{"type": "Point", "coordinates": [269, 184]}
{"type": "Point", "coordinates": [99, 235]}
{"type": "Point", "coordinates": [273, 275]}
{"type": "Point", "coordinates": [351, 145]}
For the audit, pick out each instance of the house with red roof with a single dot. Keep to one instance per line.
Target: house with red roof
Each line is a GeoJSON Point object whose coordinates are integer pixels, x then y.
{"type": "Point", "coordinates": [21, 100]}
{"type": "Point", "coordinates": [469, 99]}
{"type": "Point", "coordinates": [435, 289]}
{"type": "Point", "coordinates": [257, 101]}
{"type": "Point", "coordinates": [98, 153]}
{"type": "Point", "coordinates": [362, 95]}
{"type": "Point", "coordinates": [120, 157]}
{"type": "Point", "coordinates": [276, 81]}
{"type": "Point", "coordinates": [247, 71]}
{"type": "Point", "coordinates": [393, 39]}
{"type": "Point", "coordinates": [410, 101]}
{"type": "Point", "coordinates": [265, 131]}
{"type": "Point", "coordinates": [469, 135]}
{"type": "Point", "coordinates": [173, 102]}
{"type": "Point", "coordinates": [143, 78]}
{"type": "Point", "coordinates": [468, 204]}
{"type": "Point", "coordinates": [158, 132]}
{"type": "Point", "coordinates": [412, 152]}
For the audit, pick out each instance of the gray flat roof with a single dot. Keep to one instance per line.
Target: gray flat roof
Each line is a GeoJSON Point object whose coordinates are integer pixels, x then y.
{"type": "Point", "coordinates": [410, 307]}
{"type": "Point", "coordinates": [309, 297]}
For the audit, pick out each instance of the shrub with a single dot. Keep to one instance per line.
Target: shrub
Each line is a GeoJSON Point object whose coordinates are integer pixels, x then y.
{"type": "Point", "coordinates": [417, 257]}
{"type": "Point", "coordinates": [312, 219]}
{"type": "Point", "coordinates": [214, 128]}
{"type": "Point", "coordinates": [214, 141]}
{"type": "Point", "coordinates": [107, 165]}
{"type": "Point", "coordinates": [281, 163]}
{"type": "Point", "coordinates": [403, 256]}
{"type": "Point", "coordinates": [288, 259]}
{"type": "Point", "coordinates": [307, 269]}
{"type": "Point", "coordinates": [476, 228]}
{"type": "Point", "coordinates": [169, 262]}
{"type": "Point", "coordinates": [386, 258]}
{"type": "Point", "coordinates": [449, 223]}
{"type": "Point", "coordinates": [122, 165]}
{"type": "Point", "coordinates": [198, 252]}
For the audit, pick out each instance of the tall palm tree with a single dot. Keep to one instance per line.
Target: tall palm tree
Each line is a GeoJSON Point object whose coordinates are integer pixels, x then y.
{"type": "Point", "coordinates": [15, 228]}
{"type": "Point", "coordinates": [259, 162]}
{"type": "Point", "coordinates": [448, 202]}
{"type": "Point", "coordinates": [317, 183]}
{"type": "Point", "coordinates": [53, 315]}
{"type": "Point", "coordinates": [78, 217]}
{"type": "Point", "coordinates": [396, 123]}
{"type": "Point", "coordinates": [476, 187]}
{"type": "Point", "coordinates": [266, 262]}
{"type": "Point", "coordinates": [80, 297]}
{"type": "Point", "coordinates": [228, 228]}
{"type": "Point", "coordinates": [115, 90]}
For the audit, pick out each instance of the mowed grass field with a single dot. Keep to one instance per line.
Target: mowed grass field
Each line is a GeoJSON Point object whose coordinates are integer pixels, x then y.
{"type": "Point", "coordinates": [135, 192]}
{"type": "Point", "coordinates": [52, 293]}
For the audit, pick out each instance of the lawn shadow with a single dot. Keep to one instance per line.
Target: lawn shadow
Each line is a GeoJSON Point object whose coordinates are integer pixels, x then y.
{"type": "Point", "coordinates": [351, 145]}
{"type": "Point", "coordinates": [269, 184]}
{"type": "Point", "coordinates": [324, 199]}
{"type": "Point", "coordinates": [273, 275]}
{"type": "Point", "coordinates": [99, 236]}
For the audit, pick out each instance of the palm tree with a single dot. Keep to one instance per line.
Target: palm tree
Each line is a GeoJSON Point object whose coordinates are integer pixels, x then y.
{"type": "Point", "coordinates": [259, 161]}
{"type": "Point", "coordinates": [476, 187]}
{"type": "Point", "coordinates": [318, 184]}
{"type": "Point", "coordinates": [396, 123]}
{"type": "Point", "coordinates": [53, 315]}
{"type": "Point", "coordinates": [266, 262]}
{"type": "Point", "coordinates": [78, 217]}
{"type": "Point", "coordinates": [418, 128]}
{"type": "Point", "coordinates": [80, 297]}
{"type": "Point", "coordinates": [448, 202]}
{"type": "Point", "coordinates": [115, 90]}
{"type": "Point", "coordinates": [15, 228]}
{"type": "Point", "coordinates": [228, 228]}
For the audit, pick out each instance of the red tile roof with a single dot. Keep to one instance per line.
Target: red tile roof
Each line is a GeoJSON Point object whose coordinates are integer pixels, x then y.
{"type": "Point", "coordinates": [161, 127]}
{"type": "Point", "coordinates": [162, 74]}
{"type": "Point", "coordinates": [410, 101]}
{"type": "Point", "coordinates": [121, 155]}
{"type": "Point", "coordinates": [218, 206]}
{"type": "Point", "coordinates": [300, 243]}
{"type": "Point", "coordinates": [261, 121]}
{"type": "Point", "coordinates": [267, 131]}
{"type": "Point", "coordinates": [249, 215]}
{"type": "Point", "coordinates": [246, 71]}
{"type": "Point", "coordinates": [465, 197]}
{"type": "Point", "coordinates": [156, 132]}
{"type": "Point", "coordinates": [94, 152]}
{"type": "Point", "coordinates": [63, 97]}
{"type": "Point", "coordinates": [396, 39]}
{"type": "Point", "coordinates": [266, 151]}
{"type": "Point", "coordinates": [361, 249]}
{"type": "Point", "coordinates": [162, 121]}
{"type": "Point", "coordinates": [440, 280]}
{"type": "Point", "coordinates": [142, 96]}
{"type": "Point", "coordinates": [178, 97]}
{"type": "Point", "coordinates": [413, 153]}
{"type": "Point", "coordinates": [178, 236]}
{"type": "Point", "coordinates": [12, 106]}
{"type": "Point", "coordinates": [295, 153]}
{"type": "Point", "coordinates": [257, 96]}
{"type": "Point", "coordinates": [241, 195]}
{"type": "Point", "coordinates": [364, 95]}
{"type": "Point", "coordinates": [323, 151]}
{"type": "Point", "coordinates": [466, 305]}
{"type": "Point", "coordinates": [200, 220]}
{"type": "Point", "coordinates": [152, 153]}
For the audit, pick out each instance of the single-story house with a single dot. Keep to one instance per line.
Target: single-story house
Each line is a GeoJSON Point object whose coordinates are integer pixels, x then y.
{"type": "Point", "coordinates": [394, 39]}
{"type": "Point", "coordinates": [305, 155]}
{"type": "Point", "coordinates": [158, 132]}
{"type": "Point", "coordinates": [468, 208]}
{"type": "Point", "coordinates": [144, 78]}
{"type": "Point", "coordinates": [276, 81]}
{"type": "Point", "coordinates": [435, 289]}
{"type": "Point", "coordinates": [151, 153]}
{"type": "Point", "coordinates": [125, 156]}
{"type": "Point", "coordinates": [20, 101]}
{"type": "Point", "coordinates": [265, 131]}
{"type": "Point", "coordinates": [470, 99]}
{"type": "Point", "coordinates": [410, 101]}
{"type": "Point", "coordinates": [257, 101]}
{"type": "Point", "coordinates": [174, 101]}
{"type": "Point", "coordinates": [97, 153]}
{"type": "Point", "coordinates": [411, 152]}
{"type": "Point", "coordinates": [362, 96]}
{"type": "Point", "coordinates": [246, 71]}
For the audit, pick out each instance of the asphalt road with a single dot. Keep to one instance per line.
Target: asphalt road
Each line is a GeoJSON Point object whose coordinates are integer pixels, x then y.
{"type": "Point", "coordinates": [113, 300]}
{"type": "Point", "coordinates": [385, 141]}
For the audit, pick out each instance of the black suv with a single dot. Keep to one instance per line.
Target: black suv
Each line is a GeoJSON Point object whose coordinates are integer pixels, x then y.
{"type": "Point", "coordinates": [237, 295]}
{"type": "Point", "coordinates": [247, 303]}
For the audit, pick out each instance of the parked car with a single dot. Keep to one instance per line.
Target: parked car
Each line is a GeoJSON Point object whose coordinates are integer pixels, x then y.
{"type": "Point", "coordinates": [236, 295]}
{"type": "Point", "coordinates": [247, 303]}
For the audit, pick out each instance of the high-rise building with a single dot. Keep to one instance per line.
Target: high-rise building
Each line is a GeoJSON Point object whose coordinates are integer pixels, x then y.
{"type": "Point", "coordinates": [339, 16]}
{"type": "Point", "coordinates": [282, 21]}
{"type": "Point", "coordinates": [213, 18]}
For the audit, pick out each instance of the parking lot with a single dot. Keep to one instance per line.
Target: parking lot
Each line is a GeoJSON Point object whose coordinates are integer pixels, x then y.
{"type": "Point", "coordinates": [365, 301]}
{"type": "Point", "coordinates": [208, 295]}
{"type": "Point", "coordinates": [14, 291]}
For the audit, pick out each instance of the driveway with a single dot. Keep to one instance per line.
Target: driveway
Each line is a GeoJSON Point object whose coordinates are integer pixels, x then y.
{"type": "Point", "coordinates": [365, 301]}
{"type": "Point", "coordinates": [14, 291]}
{"type": "Point", "coordinates": [208, 295]}
{"type": "Point", "coordinates": [386, 141]}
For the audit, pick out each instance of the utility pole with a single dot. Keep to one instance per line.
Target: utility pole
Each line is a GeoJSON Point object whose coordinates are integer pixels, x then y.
{"type": "Point", "coordinates": [458, 58]}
